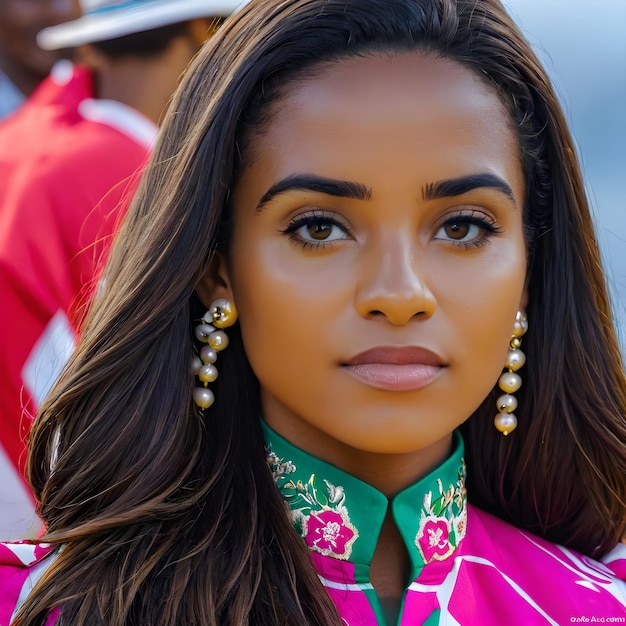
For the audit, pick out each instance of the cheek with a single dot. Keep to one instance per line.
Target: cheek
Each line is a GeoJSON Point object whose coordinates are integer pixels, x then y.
{"type": "Point", "coordinates": [481, 312]}
{"type": "Point", "coordinates": [281, 307]}
{"type": "Point", "coordinates": [290, 311]}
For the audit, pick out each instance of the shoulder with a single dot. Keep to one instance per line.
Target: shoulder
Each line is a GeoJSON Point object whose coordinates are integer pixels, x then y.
{"type": "Point", "coordinates": [541, 576]}
{"type": "Point", "coordinates": [507, 535]}
{"type": "Point", "coordinates": [68, 129]}
{"type": "Point", "coordinates": [21, 565]}
{"type": "Point", "coordinates": [64, 178]}
{"type": "Point", "coordinates": [64, 139]}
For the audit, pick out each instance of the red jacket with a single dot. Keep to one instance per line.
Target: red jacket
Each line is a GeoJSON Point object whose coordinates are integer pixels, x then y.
{"type": "Point", "coordinates": [67, 166]}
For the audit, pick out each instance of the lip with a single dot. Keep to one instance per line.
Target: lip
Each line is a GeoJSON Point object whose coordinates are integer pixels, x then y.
{"type": "Point", "coordinates": [396, 368]}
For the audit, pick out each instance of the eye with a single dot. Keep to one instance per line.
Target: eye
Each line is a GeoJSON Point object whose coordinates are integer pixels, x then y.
{"type": "Point", "coordinates": [316, 229]}
{"type": "Point", "coordinates": [320, 231]}
{"type": "Point", "coordinates": [472, 229]}
{"type": "Point", "coordinates": [460, 230]}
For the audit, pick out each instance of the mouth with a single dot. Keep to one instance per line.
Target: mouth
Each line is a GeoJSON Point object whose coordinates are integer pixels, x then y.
{"type": "Point", "coordinates": [396, 368]}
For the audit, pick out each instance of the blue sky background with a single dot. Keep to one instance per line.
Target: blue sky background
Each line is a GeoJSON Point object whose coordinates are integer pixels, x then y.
{"type": "Point", "coordinates": [583, 46]}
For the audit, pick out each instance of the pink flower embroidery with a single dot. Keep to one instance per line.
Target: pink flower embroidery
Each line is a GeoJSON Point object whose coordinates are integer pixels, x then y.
{"type": "Point", "coordinates": [328, 533]}
{"type": "Point", "coordinates": [433, 539]}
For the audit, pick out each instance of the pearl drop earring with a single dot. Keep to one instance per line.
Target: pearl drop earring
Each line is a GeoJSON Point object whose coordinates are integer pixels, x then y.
{"type": "Point", "coordinates": [509, 382]}
{"type": "Point", "coordinates": [221, 314]}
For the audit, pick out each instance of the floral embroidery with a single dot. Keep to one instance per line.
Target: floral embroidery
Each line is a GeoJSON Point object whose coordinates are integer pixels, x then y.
{"type": "Point", "coordinates": [328, 532]}
{"type": "Point", "coordinates": [442, 521]}
{"type": "Point", "coordinates": [318, 510]}
{"type": "Point", "coordinates": [278, 467]}
{"type": "Point", "coordinates": [434, 542]}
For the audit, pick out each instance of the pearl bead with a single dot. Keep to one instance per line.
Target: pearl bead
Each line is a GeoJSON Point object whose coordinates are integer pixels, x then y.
{"type": "Point", "coordinates": [208, 355]}
{"type": "Point", "coordinates": [509, 382]}
{"type": "Point", "coordinates": [521, 324]}
{"type": "Point", "coordinates": [203, 331]}
{"type": "Point", "coordinates": [505, 422]}
{"type": "Point", "coordinates": [218, 340]}
{"type": "Point", "coordinates": [506, 403]}
{"type": "Point", "coordinates": [518, 329]}
{"type": "Point", "coordinates": [222, 313]}
{"type": "Point", "coordinates": [515, 359]}
{"type": "Point", "coordinates": [196, 364]}
{"type": "Point", "coordinates": [207, 373]}
{"type": "Point", "coordinates": [203, 397]}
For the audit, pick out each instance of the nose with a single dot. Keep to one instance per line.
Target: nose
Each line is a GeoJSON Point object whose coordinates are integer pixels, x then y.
{"type": "Point", "coordinates": [394, 284]}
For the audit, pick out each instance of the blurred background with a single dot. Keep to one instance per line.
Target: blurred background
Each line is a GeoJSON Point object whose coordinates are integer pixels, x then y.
{"type": "Point", "coordinates": [583, 46]}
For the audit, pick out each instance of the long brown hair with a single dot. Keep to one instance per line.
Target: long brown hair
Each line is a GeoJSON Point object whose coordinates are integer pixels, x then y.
{"type": "Point", "coordinates": [169, 518]}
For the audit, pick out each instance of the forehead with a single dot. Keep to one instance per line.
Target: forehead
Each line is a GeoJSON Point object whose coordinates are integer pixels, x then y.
{"type": "Point", "coordinates": [421, 72]}
{"type": "Point", "coordinates": [391, 112]}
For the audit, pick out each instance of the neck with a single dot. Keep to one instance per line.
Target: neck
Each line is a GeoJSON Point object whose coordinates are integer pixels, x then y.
{"type": "Point", "coordinates": [390, 569]}
{"type": "Point", "coordinates": [388, 473]}
{"type": "Point", "coordinates": [145, 84]}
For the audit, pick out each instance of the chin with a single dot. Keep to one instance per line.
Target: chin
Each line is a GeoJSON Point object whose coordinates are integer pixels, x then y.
{"type": "Point", "coordinates": [392, 441]}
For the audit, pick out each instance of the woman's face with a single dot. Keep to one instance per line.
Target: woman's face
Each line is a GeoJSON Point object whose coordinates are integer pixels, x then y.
{"type": "Point", "coordinates": [378, 256]}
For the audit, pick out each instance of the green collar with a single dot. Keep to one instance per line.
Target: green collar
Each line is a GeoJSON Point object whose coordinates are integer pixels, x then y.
{"type": "Point", "coordinates": [340, 516]}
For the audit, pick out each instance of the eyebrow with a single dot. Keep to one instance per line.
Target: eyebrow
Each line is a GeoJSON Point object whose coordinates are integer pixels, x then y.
{"type": "Point", "coordinates": [463, 184]}
{"type": "Point", "coordinates": [318, 184]}
{"type": "Point", "coordinates": [358, 191]}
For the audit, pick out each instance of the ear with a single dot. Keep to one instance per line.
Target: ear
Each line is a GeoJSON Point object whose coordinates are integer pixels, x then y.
{"type": "Point", "coordinates": [215, 281]}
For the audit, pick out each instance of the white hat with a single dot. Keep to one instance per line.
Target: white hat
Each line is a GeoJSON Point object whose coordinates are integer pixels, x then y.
{"type": "Point", "coordinates": [108, 19]}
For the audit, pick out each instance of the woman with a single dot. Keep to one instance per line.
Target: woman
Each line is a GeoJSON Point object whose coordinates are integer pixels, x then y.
{"type": "Point", "coordinates": [387, 196]}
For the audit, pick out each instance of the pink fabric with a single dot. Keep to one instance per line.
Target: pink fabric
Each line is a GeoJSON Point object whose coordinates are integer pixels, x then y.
{"type": "Point", "coordinates": [17, 561]}
{"type": "Point", "coordinates": [339, 580]}
{"type": "Point", "coordinates": [500, 575]}
{"type": "Point", "coordinates": [418, 607]}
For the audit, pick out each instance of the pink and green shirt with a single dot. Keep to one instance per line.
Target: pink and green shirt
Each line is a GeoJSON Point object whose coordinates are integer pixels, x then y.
{"type": "Point", "coordinates": [468, 568]}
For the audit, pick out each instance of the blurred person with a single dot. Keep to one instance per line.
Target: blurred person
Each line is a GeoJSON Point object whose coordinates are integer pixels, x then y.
{"type": "Point", "coordinates": [23, 64]}
{"type": "Point", "coordinates": [67, 161]}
